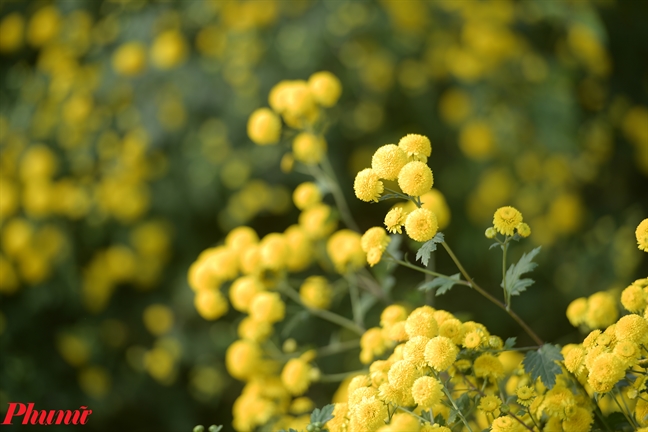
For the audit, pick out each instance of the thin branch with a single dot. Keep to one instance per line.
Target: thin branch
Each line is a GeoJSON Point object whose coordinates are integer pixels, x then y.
{"type": "Point", "coordinates": [492, 299]}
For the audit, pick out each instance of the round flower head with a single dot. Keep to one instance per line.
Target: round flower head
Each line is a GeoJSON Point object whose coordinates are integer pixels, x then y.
{"type": "Point", "coordinates": [642, 235]}
{"type": "Point", "coordinates": [325, 88]}
{"type": "Point", "coordinates": [403, 422]}
{"type": "Point", "coordinates": [268, 307]}
{"type": "Point", "coordinates": [525, 395]}
{"type": "Point", "coordinates": [490, 403]}
{"type": "Point", "coordinates": [368, 415]}
{"type": "Point", "coordinates": [524, 230]}
{"type": "Point", "coordinates": [306, 195]}
{"type": "Point", "coordinates": [607, 370]}
{"type": "Point", "coordinates": [488, 366]}
{"type": "Point", "coordinates": [240, 238]}
{"type": "Point", "coordinates": [421, 225]}
{"type": "Point", "coordinates": [387, 161]}
{"type": "Point", "coordinates": [367, 185]}
{"type": "Point", "coordinates": [210, 304]}
{"type": "Point", "coordinates": [375, 237]}
{"type": "Point", "coordinates": [372, 342]}
{"type": "Point", "coordinates": [414, 350]}
{"type": "Point", "coordinates": [300, 249]}
{"type": "Point", "coordinates": [296, 376]}
{"type": "Point", "coordinates": [264, 127]}
{"type": "Point", "coordinates": [392, 314]}
{"type": "Point", "coordinates": [580, 420]}
{"type": "Point", "coordinates": [402, 374]}
{"type": "Point", "coordinates": [633, 298]}
{"type": "Point", "coordinates": [129, 59]}
{"type": "Point", "coordinates": [506, 424]}
{"type": "Point", "coordinates": [316, 293]}
{"type": "Point", "coordinates": [345, 251]}
{"type": "Point", "coordinates": [421, 322]}
{"type": "Point", "coordinates": [472, 340]}
{"type": "Point", "coordinates": [417, 147]}
{"type": "Point", "coordinates": [440, 353]}
{"type": "Point", "coordinates": [576, 311]}
{"type": "Point", "coordinates": [317, 221]}
{"type": "Point", "coordinates": [427, 391]}
{"type": "Point", "coordinates": [243, 290]}
{"type": "Point", "coordinates": [437, 204]}
{"type": "Point", "coordinates": [243, 359]}
{"type": "Point", "coordinates": [395, 219]}
{"type": "Point", "coordinates": [490, 233]}
{"type": "Point", "coordinates": [633, 328]}
{"type": "Point", "coordinates": [415, 178]}
{"type": "Point", "coordinates": [308, 148]}
{"type": "Point", "coordinates": [601, 310]}
{"type": "Point", "coordinates": [506, 219]}
{"type": "Point", "coordinates": [274, 251]}
{"type": "Point", "coordinates": [257, 331]}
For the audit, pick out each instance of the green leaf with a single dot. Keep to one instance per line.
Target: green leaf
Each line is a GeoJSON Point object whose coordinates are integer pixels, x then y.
{"type": "Point", "coordinates": [443, 284]}
{"type": "Point", "coordinates": [425, 414]}
{"type": "Point", "coordinates": [214, 428]}
{"type": "Point", "coordinates": [542, 364]}
{"type": "Point", "coordinates": [512, 282]}
{"type": "Point", "coordinates": [510, 343]}
{"type": "Point", "coordinates": [322, 415]}
{"type": "Point", "coordinates": [493, 245]}
{"type": "Point", "coordinates": [462, 403]}
{"type": "Point", "coordinates": [440, 420]}
{"type": "Point", "coordinates": [428, 247]}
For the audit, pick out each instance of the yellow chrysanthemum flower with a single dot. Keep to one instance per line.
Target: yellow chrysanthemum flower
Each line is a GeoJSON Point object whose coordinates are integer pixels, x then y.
{"type": "Point", "coordinates": [372, 344]}
{"type": "Point", "coordinates": [325, 88]}
{"type": "Point", "coordinates": [506, 424]}
{"type": "Point", "coordinates": [296, 376]}
{"type": "Point", "coordinates": [440, 353]}
{"type": "Point", "coordinates": [264, 127]}
{"type": "Point", "coordinates": [387, 161]}
{"type": "Point", "coordinates": [524, 230]}
{"type": "Point", "coordinates": [257, 331]}
{"type": "Point", "coordinates": [488, 366]}
{"type": "Point", "coordinates": [634, 297]}
{"type": "Point", "coordinates": [316, 292]}
{"type": "Point", "coordinates": [367, 185]}
{"type": "Point", "coordinates": [415, 178]}
{"type": "Point", "coordinates": [243, 359]}
{"type": "Point", "coordinates": [633, 328]}
{"type": "Point", "coordinates": [306, 195]}
{"type": "Point", "coordinates": [417, 147]}
{"type": "Point", "coordinates": [472, 340]}
{"type": "Point", "coordinates": [525, 395]}
{"type": "Point", "coordinates": [421, 322]}
{"type": "Point", "coordinates": [577, 311]}
{"type": "Point", "coordinates": [308, 148]}
{"type": "Point", "coordinates": [395, 219]}
{"type": "Point", "coordinates": [421, 225]}
{"type": "Point", "coordinates": [580, 420]}
{"type": "Point", "coordinates": [427, 391]}
{"type": "Point", "coordinates": [490, 403]}
{"type": "Point", "coordinates": [607, 370]}
{"type": "Point", "coordinates": [345, 251]}
{"type": "Point", "coordinates": [129, 59]}
{"type": "Point", "coordinates": [210, 304]}
{"type": "Point", "coordinates": [300, 249]}
{"type": "Point", "coordinates": [374, 242]}
{"type": "Point", "coordinates": [368, 415]}
{"type": "Point", "coordinates": [268, 307]}
{"type": "Point", "coordinates": [642, 235]}
{"type": "Point", "coordinates": [414, 350]}
{"type": "Point", "coordinates": [506, 219]}
{"type": "Point", "coordinates": [601, 310]}
{"type": "Point", "coordinates": [240, 238]}
{"type": "Point", "coordinates": [243, 291]}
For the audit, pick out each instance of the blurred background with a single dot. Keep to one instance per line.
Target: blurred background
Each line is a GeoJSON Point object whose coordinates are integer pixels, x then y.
{"type": "Point", "coordinates": [124, 154]}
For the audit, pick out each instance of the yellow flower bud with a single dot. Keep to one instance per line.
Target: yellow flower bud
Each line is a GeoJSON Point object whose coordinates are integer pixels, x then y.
{"type": "Point", "coordinates": [417, 147]}
{"type": "Point", "coordinates": [264, 127]}
{"type": "Point", "coordinates": [308, 148]}
{"type": "Point", "coordinates": [316, 292]}
{"type": "Point", "coordinates": [325, 88]}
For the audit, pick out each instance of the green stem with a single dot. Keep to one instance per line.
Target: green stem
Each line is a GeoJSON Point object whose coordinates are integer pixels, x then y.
{"type": "Point", "coordinates": [533, 418]}
{"type": "Point", "coordinates": [355, 299]}
{"type": "Point", "coordinates": [492, 299]}
{"type": "Point", "coordinates": [405, 196]}
{"type": "Point", "coordinates": [323, 313]}
{"type": "Point", "coordinates": [454, 404]}
{"type": "Point", "coordinates": [506, 293]}
{"type": "Point", "coordinates": [423, 270]}
{"type": "Point", "coordinates": [520, 421]}
{"type": "Point", "coordinates": [625, 414]}
{"type": "Point", "coordinates": [410, 412]}
{"type": "Point", "coordinates": [338, 196]}
{"type": "Point", "coordinates": [337, 348]}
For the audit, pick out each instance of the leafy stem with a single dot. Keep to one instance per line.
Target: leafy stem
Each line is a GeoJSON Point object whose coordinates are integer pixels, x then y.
{"type": "Point", "coordinates": [424, 270]}
{"type": "Point", "coordinates": [492, 299]}
{"type": "Point", "coordinates": [322, 313]}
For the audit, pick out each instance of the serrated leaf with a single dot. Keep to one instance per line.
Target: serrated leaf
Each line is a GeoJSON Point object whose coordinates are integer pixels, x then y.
{"type": "Point", "coordinates": [462, 404]}
{"type": "Point", "coordinates": [322, 415]}
{"type": "Point", "coordinates": [440, 420]}
{"type": "Point", "coordinates": [512, 282]}
{"type": "Point", "coordinates": [428, 247]}
{"type": "Point", "coordinates": [510, 343]}
{"type": "Point", "coordinates": [425, 414]}
{"type": "Point", "coordinates": [442, 284]}
{"type": "Point", "coordinates": [542, 364]}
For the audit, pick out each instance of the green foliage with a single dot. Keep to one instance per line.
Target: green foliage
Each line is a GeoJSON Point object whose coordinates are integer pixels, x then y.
{"type": "Point", "coordinates": [513, 283]}
{"type": "Point", "coordinates": [322, 415]}
{"type": "Point", "coordinates": [542, 364]}
{"type": "Point", "coordinates": [443, 284]}
{"type": "Point", "coordinates": [510, 343]}
{"type": "Point", "coordinates": [428, 247]}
